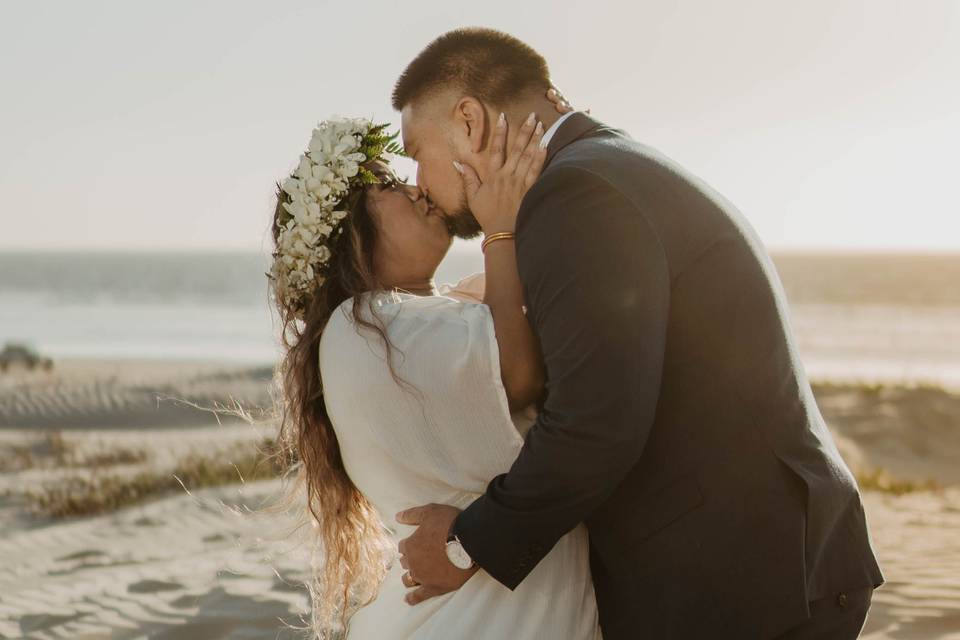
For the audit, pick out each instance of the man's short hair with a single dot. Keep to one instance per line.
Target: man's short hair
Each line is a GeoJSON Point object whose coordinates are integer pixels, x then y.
{"type": "Point", "coordinates": [489, 65]}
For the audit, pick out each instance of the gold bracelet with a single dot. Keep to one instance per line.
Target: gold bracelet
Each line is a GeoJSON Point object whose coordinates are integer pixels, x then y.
{"type": "Point", "coordinates": [493, 237]}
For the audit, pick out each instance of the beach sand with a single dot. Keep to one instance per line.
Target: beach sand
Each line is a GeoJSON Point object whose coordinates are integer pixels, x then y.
{"type": "Point", "coordinates": [197, 566]}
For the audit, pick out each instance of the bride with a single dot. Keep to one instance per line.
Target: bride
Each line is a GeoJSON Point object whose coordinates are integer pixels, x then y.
{"type": "Point", "coordinates": [398, 393]}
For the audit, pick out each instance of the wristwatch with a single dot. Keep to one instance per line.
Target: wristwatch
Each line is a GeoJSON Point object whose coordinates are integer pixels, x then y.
{"type": "Point", "coordinates": [457, 555]}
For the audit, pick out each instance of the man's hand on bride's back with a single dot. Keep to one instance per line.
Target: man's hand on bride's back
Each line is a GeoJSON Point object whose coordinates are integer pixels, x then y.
{"type": "Point", "coordinates": [510, 174]}
{"type": "Point", "coordinates": [429, 572]}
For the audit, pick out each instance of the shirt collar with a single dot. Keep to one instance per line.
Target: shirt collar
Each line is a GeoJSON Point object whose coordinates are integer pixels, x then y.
{"type": "Point", "coordinates": [553, 128]}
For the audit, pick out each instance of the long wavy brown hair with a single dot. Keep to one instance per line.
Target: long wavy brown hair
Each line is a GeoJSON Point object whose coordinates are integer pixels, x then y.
{"type": "Point", "coordinates": [352, 547]}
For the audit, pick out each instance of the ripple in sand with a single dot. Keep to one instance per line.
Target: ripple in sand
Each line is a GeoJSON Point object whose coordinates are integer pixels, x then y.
{"type": "Point", "coordinates": [154, 586]}
{"type": "Point", "coordinates": [82, 555]}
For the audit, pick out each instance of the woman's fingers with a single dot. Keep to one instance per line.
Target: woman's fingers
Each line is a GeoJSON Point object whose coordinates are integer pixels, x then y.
{"type": "Point", "coordinates": [559, 102]}
{"type": "Point", "coordinates": [498, 143]}
{"type": "Point", "coordinates": [536, 166]}
{"type": "Point", "coordinates": [524, 134]}
{"type": "Point", "coordinates": [530, 152]}
{"type": "Point", "coordinates": [471, 180]}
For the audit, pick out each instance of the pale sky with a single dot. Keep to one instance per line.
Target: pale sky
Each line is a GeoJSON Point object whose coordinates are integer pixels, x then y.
{"type": "Point", "coordinates": [129, 125]}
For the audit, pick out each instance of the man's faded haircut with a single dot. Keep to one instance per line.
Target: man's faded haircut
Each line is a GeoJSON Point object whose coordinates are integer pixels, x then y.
{"type": "Point", "coordinates": [489, 65]}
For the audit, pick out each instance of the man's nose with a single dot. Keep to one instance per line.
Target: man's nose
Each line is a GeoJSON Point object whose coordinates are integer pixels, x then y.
{"type": "Point", "coordinates": [413, 192]}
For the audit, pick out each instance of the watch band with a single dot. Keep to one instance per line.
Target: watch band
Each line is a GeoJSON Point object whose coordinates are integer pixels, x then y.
{"type": "Point", "coordinates": [457, 554]}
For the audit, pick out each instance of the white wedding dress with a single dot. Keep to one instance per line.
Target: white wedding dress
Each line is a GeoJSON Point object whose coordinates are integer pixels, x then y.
{"type": "Point", "coordinates": [442, 440]}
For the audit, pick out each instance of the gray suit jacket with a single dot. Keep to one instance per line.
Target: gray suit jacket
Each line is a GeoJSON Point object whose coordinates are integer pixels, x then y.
{"type": "Point", "coordinates": [678, 422]}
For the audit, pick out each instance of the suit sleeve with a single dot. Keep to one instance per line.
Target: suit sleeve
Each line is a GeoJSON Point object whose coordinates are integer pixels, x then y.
{"type": "Point", "coordinates": [597, 285]}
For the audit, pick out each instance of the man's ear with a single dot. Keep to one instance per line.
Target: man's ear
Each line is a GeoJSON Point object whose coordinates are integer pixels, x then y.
{"type": "Point", "coordinates": [472, 117]}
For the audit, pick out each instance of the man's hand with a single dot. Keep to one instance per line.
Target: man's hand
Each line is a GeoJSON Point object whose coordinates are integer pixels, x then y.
{"type": "Point", "coordinates": [424, 554]}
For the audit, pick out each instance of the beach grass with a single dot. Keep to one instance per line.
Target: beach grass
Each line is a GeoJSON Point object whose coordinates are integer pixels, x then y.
{"type": "Point", "coordinates": [52, 450]}
{"type": "Point", "coordinates": [100, 489]}
{"type": "Point", "coordinates": [883, 481]}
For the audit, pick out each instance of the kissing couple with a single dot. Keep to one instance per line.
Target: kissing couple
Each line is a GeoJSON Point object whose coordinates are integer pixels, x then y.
{"type": "Point", "coordinates": [608, 433]}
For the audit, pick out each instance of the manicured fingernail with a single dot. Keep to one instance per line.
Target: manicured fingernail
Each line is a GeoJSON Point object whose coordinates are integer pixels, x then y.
{"type": "Point", "coordinates": [459, 168]}
{"type": "Point", "coordinates": [502, 120]}
{"type": "Point", "coordinates": [552, 92]}
{"type": "Point", "coordinates": [539, 129]}
{"type": "Point", "coordinates": [531, 118]}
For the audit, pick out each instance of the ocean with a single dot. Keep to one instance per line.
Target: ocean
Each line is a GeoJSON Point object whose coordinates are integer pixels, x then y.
{"type": "Point", "coordinates": [858, 317]}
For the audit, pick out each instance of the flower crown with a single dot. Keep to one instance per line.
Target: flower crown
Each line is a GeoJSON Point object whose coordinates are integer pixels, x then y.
{"type": "Point", "coordinates": [317, 196]}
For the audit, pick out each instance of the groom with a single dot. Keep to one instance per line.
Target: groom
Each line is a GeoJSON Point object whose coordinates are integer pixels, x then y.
{"type": "Point", "coordinates": [678, 423]}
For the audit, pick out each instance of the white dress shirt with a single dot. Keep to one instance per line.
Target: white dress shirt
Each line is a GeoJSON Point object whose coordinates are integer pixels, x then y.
{"type": "Point", "coordinates": [553, 128]}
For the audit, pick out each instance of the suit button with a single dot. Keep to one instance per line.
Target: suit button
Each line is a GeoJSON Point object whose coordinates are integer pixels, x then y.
{"type": "Point", "coordinates": [842, 600]}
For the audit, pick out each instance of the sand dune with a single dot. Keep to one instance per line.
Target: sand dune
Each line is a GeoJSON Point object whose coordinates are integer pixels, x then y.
{"type": "Point", "coordinates": [184, 567]}
{"type": "Point", "coordinates": [92, 394]}
{"type": "Point", "coordinates": [913, 433]}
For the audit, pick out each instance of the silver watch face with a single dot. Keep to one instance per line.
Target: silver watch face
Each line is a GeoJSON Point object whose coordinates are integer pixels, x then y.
{"type": "Point", "coordinates": [458, 556]}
